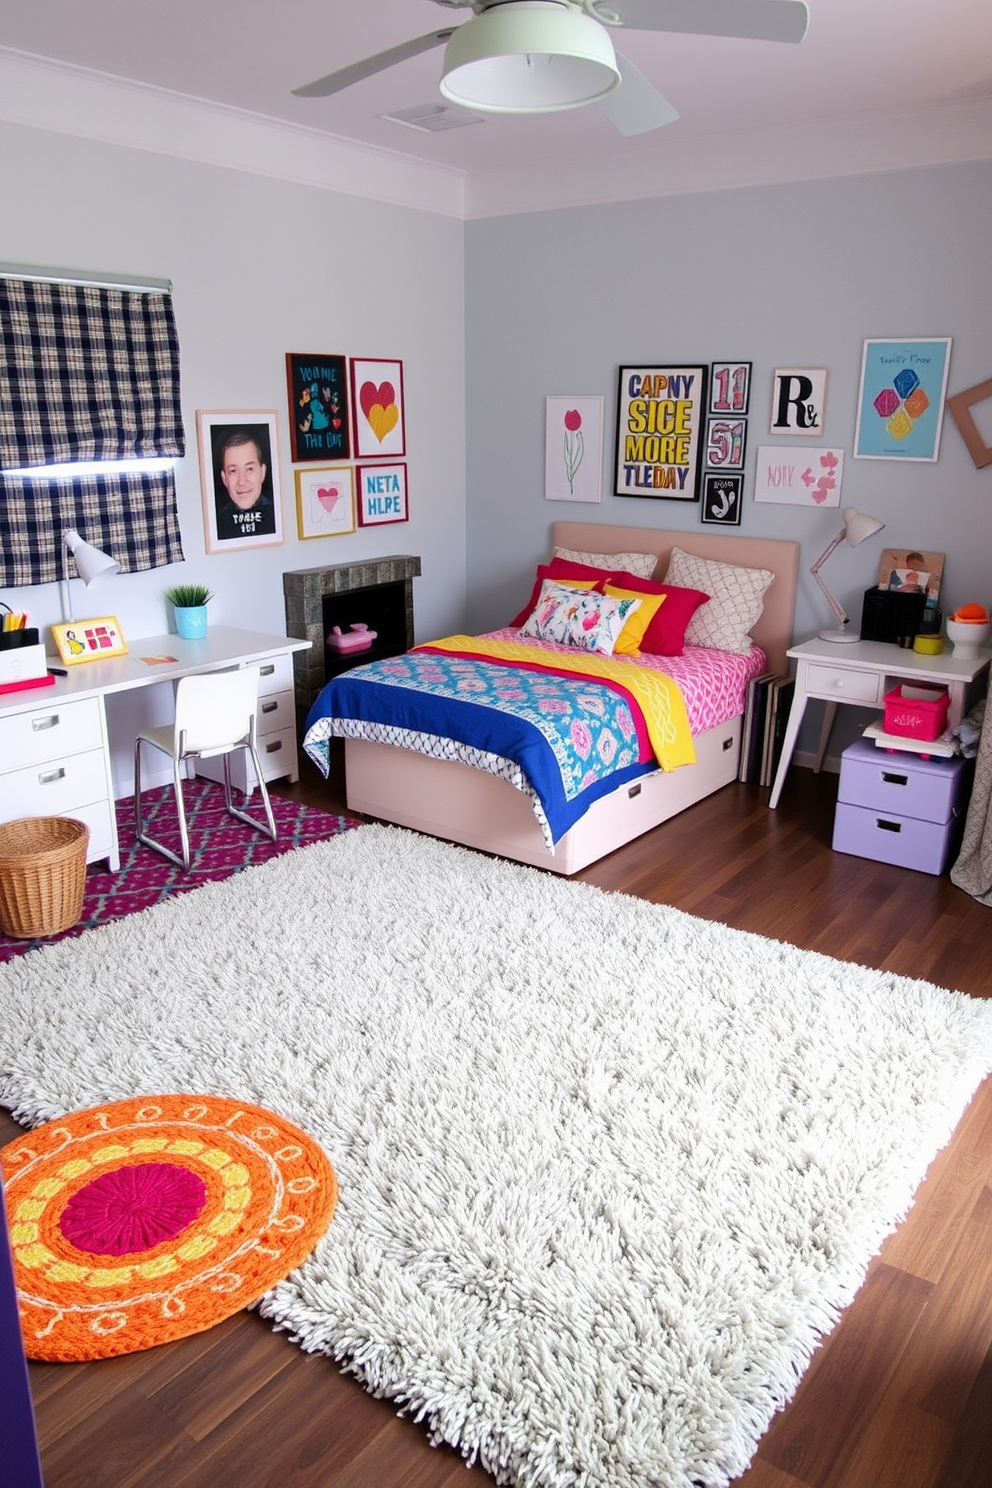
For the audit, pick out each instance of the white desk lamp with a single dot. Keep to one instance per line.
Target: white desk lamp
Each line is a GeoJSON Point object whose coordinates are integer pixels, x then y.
{"type": "Point", "coordinates": [92, 566]}
{"type": "Point", "coordinates": [856, 528]}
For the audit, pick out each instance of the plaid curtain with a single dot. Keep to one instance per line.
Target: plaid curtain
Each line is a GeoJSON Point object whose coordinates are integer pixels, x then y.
{"type": "Point", "coordinates": [86, 373]}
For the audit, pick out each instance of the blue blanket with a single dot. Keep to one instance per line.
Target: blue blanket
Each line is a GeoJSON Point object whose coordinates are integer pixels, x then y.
{"type": "Point", "coordinates": [575, 738]}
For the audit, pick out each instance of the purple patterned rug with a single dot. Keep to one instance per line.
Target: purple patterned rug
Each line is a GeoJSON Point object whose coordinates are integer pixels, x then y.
{"type": "Point", "coordinates": [221, 847]}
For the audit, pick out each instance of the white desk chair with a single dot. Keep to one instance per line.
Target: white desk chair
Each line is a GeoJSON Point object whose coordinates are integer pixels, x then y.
{"type": "Point", "coordinates": [215, 714]}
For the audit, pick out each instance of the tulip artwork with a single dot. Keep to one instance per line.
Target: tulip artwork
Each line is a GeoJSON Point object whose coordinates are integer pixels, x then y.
{"type": "Point", "coordinates": [573, 449]}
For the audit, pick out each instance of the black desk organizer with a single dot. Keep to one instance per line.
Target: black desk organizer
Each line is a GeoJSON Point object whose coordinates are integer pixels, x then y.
{"type": "Point", "coordinates": [892, 615]}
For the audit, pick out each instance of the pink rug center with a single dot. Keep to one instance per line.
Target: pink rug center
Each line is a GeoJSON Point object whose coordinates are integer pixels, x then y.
{"type": "Point", "coordinates": [133, 1208]}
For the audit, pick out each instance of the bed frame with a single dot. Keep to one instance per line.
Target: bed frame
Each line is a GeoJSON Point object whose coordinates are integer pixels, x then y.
{"type": "Point", "coordinates": [445, 798]}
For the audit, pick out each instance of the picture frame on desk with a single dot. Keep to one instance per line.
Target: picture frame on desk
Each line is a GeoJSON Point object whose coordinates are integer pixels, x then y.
{"type": "Point", "coordinates": [89, 640]}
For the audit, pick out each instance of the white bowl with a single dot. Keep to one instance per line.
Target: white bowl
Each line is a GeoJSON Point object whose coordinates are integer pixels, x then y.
{"type": "Point", "coordinates": [967, 637]}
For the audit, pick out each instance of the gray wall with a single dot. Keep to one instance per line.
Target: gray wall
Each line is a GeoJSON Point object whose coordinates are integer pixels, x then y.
{"type": "Point", "coordinates": [260, 267]}
{"type": "Point", "coordinates": [782, 276]}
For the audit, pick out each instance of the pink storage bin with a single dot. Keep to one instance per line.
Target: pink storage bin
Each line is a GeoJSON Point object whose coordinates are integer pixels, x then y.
{"type": "Point", "coordinates": [916, 712]}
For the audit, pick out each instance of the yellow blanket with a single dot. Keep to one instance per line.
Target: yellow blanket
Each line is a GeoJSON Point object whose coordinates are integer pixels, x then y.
{"type": "Point", "coordinates": [658, 697]}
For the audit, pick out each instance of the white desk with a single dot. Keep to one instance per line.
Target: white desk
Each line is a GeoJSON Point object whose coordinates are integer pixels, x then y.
{"type": "Point", "coordinates": [862, 672]}
{"type": "Point", "coordinates": [55, 757]}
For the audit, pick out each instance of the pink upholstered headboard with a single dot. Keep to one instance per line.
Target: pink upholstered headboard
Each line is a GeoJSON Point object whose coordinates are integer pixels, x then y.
{"type": "Point", "coordinates": [772, 632]}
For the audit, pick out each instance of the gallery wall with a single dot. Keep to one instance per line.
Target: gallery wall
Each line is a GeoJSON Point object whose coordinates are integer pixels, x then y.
{"type": "Point", "coordinates": [781, 276]}
{"type": "Point", "coordinates": [261, 267]}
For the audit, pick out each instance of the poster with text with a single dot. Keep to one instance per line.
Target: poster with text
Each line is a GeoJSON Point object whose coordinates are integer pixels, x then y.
{"type": "Point", "coordinates": [318, 406]}
{"type": "Point", "coordinates": [798, 476]}
{"type": "Point", "coordinates": [661, 432]}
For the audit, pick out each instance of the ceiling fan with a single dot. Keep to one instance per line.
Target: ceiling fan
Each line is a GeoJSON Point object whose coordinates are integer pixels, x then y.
{"type": "Point", "coordinates": [540, 56]}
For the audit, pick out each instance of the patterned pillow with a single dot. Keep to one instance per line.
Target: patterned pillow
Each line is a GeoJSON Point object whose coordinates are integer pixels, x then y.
{"type": "Point", "coordinates": [641, 564]}
{"type": "Point", "coordinates": [576, 617]}
{"type": "Point", "coordinates": [735, 600]}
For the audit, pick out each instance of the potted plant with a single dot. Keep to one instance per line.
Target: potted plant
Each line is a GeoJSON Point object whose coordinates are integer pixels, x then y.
{"type": "Point", "coordinates": [190, 604]}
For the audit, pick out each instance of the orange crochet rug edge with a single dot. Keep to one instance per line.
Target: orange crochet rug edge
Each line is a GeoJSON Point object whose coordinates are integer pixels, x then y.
{"type": "Point", "coordinates": [138, 1222]}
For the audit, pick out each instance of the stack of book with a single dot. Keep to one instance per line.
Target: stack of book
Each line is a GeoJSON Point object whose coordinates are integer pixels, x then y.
{"type": "Point", "coordinates": [766, 713]}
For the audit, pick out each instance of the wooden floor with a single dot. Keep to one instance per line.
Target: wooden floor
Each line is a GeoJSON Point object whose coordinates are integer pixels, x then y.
{"type": "Point", "coordinates": [900, 1394]}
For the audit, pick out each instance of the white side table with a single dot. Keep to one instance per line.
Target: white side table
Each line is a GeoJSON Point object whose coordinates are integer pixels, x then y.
{"type": "Point", "coordinates": [862, 672]}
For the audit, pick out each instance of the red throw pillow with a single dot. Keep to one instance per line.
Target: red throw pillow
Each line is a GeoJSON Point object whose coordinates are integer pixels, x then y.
{"type": "Point", "coordinates": [665, 636]}
{"type": "Point", "coordinates": [563, 569]}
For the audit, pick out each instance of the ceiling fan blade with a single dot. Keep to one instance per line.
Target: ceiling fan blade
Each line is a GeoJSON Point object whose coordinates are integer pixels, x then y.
{"type": "Point", "coordinates": [359, 71]}
{"type": "Point", "coordinates": [758, 20]}
{"type": "Point", "coordinates": [635, 106]}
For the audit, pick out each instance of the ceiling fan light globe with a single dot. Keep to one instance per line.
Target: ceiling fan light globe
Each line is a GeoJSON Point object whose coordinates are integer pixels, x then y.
{"type": "Point", "coordinates": [529, 57]}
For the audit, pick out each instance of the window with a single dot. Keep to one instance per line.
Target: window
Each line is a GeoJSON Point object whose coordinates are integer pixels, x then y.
{"type": "Point", "coordinates": [88, 372]}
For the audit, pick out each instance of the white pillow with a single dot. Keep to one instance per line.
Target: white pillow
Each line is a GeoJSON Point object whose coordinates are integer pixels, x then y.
{"type": "Point", "coordinates": [642, 565]}
{"type": "Point", "coordinates": [578, 617]}
{"type": "Point", "coordinates": [735, 600]}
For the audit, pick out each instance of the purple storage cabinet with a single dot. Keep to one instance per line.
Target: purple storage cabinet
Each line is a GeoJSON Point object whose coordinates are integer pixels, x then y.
{"type": "Point", "coordinates": [897, 807]}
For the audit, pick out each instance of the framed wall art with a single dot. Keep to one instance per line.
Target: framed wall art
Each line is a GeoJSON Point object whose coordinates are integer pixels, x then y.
{"type": "Point", "coordinates": [799, 401]}
{"type": "Point", "coordinates": [377, 410]}
{"type": "Point", "coordinates": [977, 443]}
{"type": "Point", "coordinates": [89, 640]}
{"type": "Point", "coordinates": [723, 499]}
{"type": "Point", "coordinates": [901, 401]}
{"type": "Point", "coordinates": [325, 501]}
{"type": "Point", "coordinates": [318, 406]}
{"type": "Point", "coordinates": [382, 495]}
{"type": "Point", "coordinates": [573, 449]}
{"type": "Point", "coordinates": [239, 478]}
{"type": "Point", "coordinates": [910, 570]}
{"type": "Point", "coordinates": [726, 439]}
{"type": "Point", "coordinates": [661, 413]}
{"type": "Point", "coordinates": [730, 387]}
{"type": "Point", "coordinates": [798, 476]}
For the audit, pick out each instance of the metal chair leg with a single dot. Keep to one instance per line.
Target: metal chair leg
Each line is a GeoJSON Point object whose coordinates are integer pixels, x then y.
{"type": "Point", "coordinates": [144, 837]}
{"type": "Point", "coordinates": [269, 825]}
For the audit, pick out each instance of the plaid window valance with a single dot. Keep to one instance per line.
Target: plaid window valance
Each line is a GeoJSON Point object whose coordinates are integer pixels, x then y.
{"type": "Point", "coordinates": [86, 373]}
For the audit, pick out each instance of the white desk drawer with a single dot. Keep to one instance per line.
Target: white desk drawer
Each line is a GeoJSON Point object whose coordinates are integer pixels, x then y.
{"type": "Point", "coordinates": [275, 712]}
{"type": "Point", "coordinates": [844, 683]}
{"type": "Point", "coordinates": [275, 674]}
{"type": "Point", "coordinates": [53, 787]}
{"type": "Point", "coordinates": [49, 732]}
{"type": "Point", "coordinates": [277, 754]}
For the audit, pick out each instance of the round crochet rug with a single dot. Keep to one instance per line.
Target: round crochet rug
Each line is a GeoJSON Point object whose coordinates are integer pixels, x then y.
{"type": "Point", "coordinates": [141, 1221]}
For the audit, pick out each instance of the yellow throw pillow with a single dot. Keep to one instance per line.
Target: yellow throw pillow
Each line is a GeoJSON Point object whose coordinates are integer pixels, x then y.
{"type": "Point", "coordinates": [630, 638]}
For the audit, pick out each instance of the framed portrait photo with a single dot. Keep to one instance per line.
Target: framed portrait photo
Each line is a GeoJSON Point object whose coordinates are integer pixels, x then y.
{"type": "Point", "coordinates": [382, 495]}
{"type": "Point", "coordinates": [239, 478]}
{"type": "Point", "coordinates": [89, 640]}
{"type": "Point", "coordinates": [325, 501]}
{"type": "Point", "coordinates": [377, 412]}
{"type": "Point", "coordinates": [317, 386]}
{"type": "Point", "coordinates": [661, 433]}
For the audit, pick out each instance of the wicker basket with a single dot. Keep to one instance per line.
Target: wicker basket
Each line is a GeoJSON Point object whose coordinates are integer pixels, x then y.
{"type": "Point", "coordinates": [42, 875]}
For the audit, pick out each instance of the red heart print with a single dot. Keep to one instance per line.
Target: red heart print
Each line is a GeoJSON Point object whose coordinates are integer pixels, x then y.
{"type": "Point", "coordinates": [370, 395]}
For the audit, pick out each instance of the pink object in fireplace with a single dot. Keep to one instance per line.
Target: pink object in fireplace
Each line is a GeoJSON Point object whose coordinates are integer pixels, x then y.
{"type": "Point", "coordinates": [355, 638]}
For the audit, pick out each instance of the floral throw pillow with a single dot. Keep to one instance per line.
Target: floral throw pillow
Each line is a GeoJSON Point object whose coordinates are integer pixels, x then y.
{"type": "Point", "coordinates": [578, 617]}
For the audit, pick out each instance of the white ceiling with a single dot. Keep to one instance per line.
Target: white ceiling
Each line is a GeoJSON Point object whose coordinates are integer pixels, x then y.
{"type": "Point", "coordinates": [868, 71]}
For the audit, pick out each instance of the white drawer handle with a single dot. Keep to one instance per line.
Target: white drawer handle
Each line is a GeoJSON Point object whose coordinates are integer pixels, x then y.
{"type": "Point", "coordinates": [269, 707]}
{"type": "Point", "coordinates": [273, 748]}
{"type": "Point", "coordinates": [45, 723]}
{"type": "Point", "coordinates": [266, 671]}
{"type": "Point", "coordinates": [51, 776]}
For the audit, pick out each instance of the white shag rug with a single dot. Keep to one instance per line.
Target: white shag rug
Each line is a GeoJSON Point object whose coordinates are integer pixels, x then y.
{"type": "Point", "coordinates": [607, 1171]}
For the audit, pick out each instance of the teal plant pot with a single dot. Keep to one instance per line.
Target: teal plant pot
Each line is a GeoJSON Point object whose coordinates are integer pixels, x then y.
{"type": "Point", "coordinates": [191, 623]}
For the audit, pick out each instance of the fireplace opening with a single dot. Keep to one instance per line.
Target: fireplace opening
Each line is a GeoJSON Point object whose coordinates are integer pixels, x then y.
{"type": "Point", "coordinates": [379, 611]}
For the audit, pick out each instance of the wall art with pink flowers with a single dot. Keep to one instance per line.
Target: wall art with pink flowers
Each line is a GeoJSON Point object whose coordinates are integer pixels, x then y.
{"type": "Point", "coordinates": [795, 475]}
{"type": "Point", "coordinates": [573, 449]}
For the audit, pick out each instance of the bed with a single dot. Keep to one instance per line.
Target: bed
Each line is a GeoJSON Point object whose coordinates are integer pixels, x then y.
{"type": "Point", "coordinates": [500, 813]}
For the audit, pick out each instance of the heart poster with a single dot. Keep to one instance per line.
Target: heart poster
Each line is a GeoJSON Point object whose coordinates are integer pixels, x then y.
{"type": "Point", "coordinates": [377, 408]}
{"type": "Point", "coordinates": [325, 501]}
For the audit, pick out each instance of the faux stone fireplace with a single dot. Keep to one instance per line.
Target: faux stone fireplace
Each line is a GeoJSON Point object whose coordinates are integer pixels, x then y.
{"type": "Point", "coordinates": [380, 590]}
